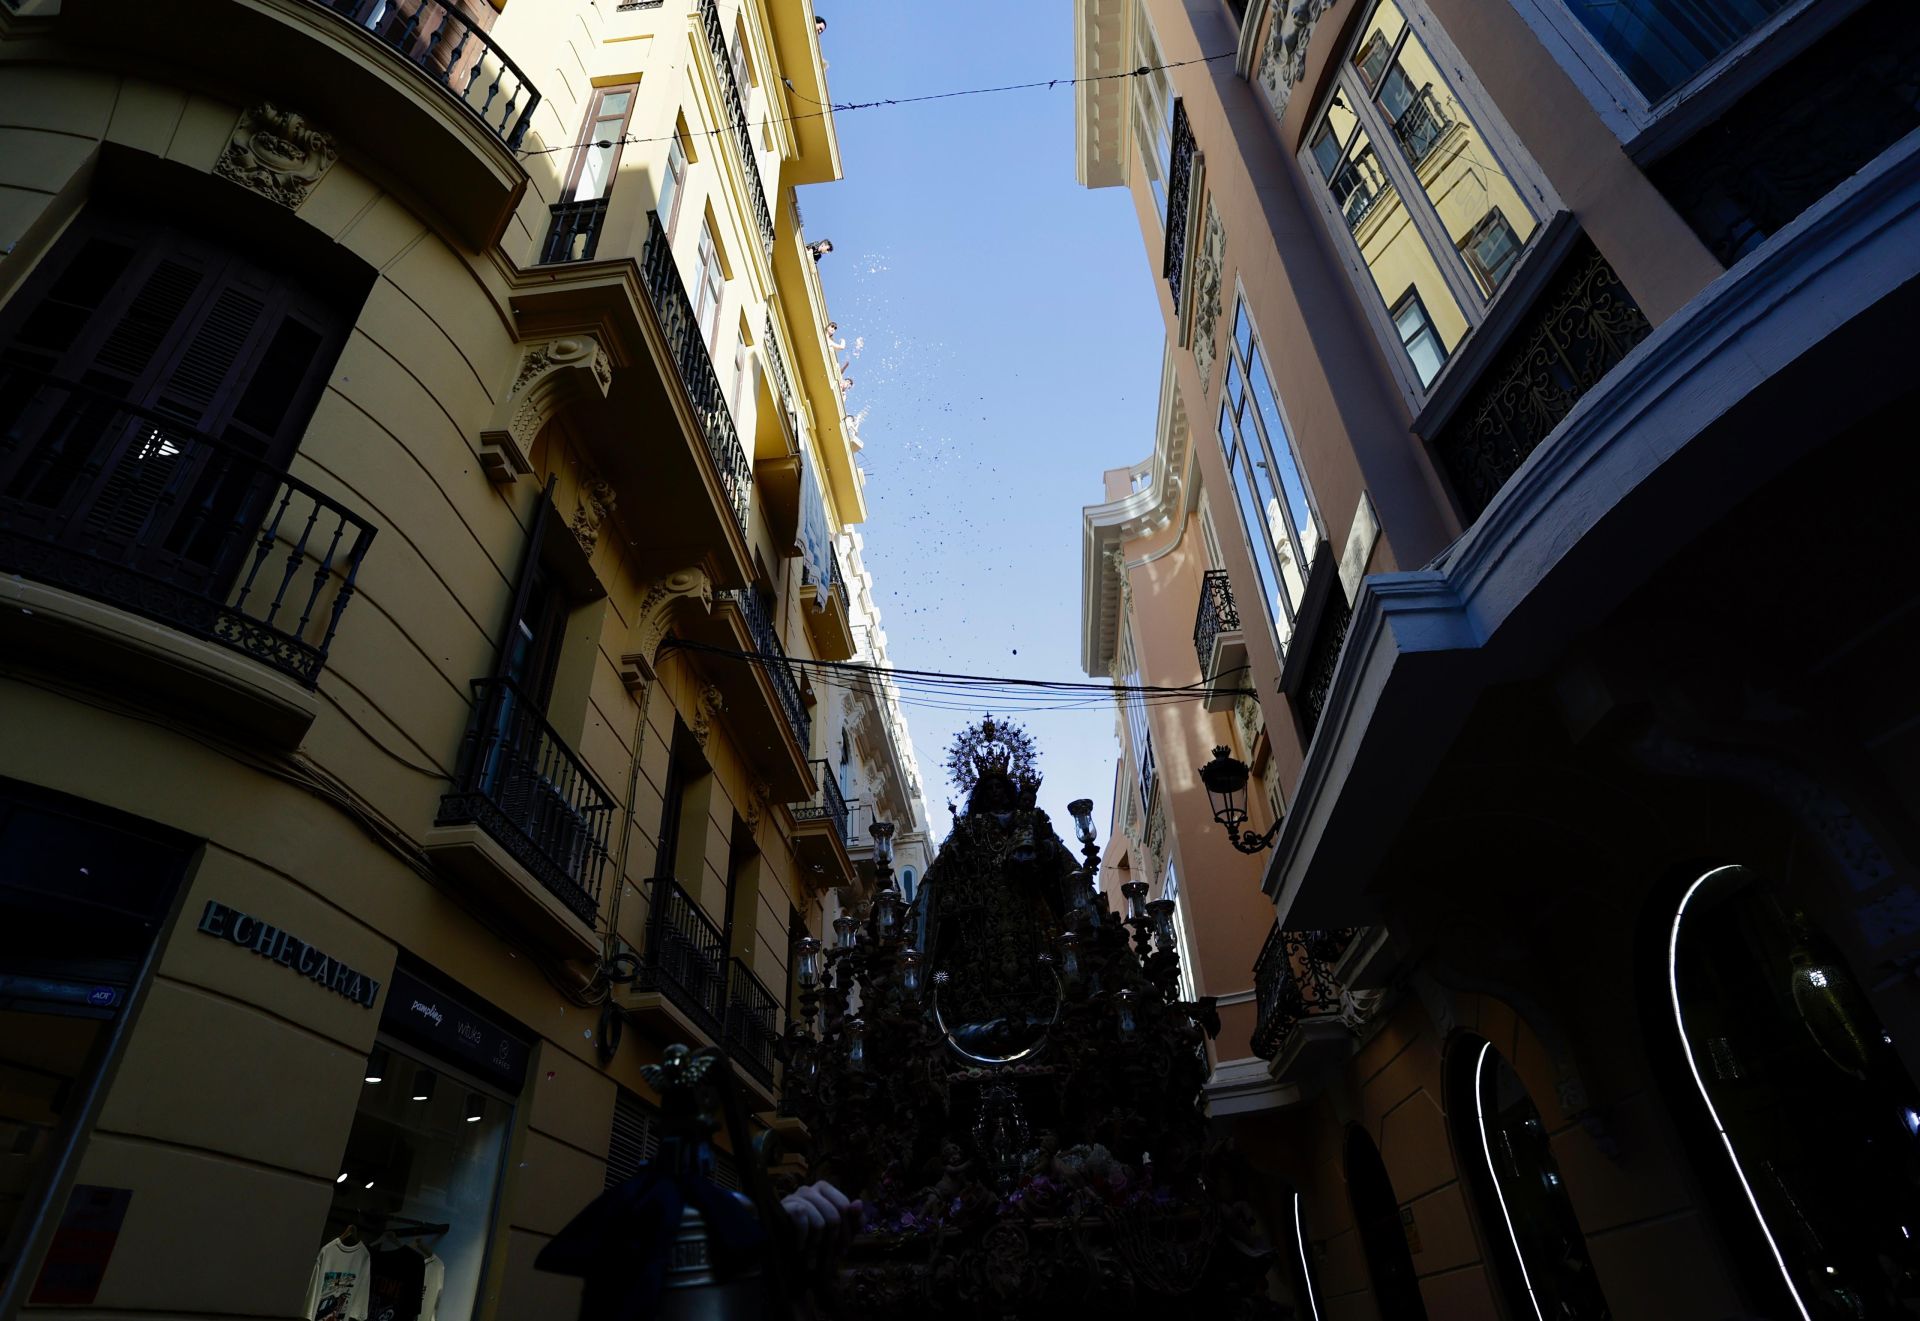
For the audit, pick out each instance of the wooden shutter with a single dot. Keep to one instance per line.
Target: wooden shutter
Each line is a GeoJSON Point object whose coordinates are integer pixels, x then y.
{"type": "Point", "coordinates": [635, 1137]}
{"type": "Point", "coordinates": [153, 386]}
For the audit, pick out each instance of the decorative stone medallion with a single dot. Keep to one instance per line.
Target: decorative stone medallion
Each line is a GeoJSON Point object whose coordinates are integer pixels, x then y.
{"type": "Point", "coordinates": [277, 154]}
{"type": "Point", "coordinates": [1285, 58]}
{"type": "Point", "coordinates": [1209, 271]}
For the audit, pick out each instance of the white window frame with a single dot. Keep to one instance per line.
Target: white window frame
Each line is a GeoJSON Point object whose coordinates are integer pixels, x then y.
{"type": "Point", "coordinates": [1625, 109]}
{"type": "Point", "coordinates": [1269, 460]}
{"type": "Point", "coordinates": [1527, 178]}
{"type": "Point", "coordinates": [710, 281]}
{"type": "Point", "coordinates": [1152, 112]}
{"type": "Point", "coordinates": [673, 186]}
{"type": "Point", "coordinates": [1146, 766]}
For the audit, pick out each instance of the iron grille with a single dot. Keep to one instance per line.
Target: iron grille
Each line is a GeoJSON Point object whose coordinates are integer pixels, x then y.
{"type": "Point", "coordinates": [1179, 199]}
{"type": "Point", "coordinates": [1420, 126]}
{"type": "Point", "coordinates": [773, 663]}
{"type": "Point", "coordinates": [736, 112]}
{"type": "Point", "coordinates": [686, 957]}
{"type": "Point", "coordinates": [522, 784]}
{"type": "Point", "coordinates": [1323, 662]}
{"type": "Point", "coordinates": [127, 506]}
{"type": "Point", "coordinates": [450, 49]}
{"type": "Point", "coordinates": [1292, 980]}
{"type": "Point", "coordinates": [753, 1022]}
{"type": "Point", "coordinates": [1579, 328]}
{"type": "Point", "coordinates": [826, 805]}
{"type": "Point", "coordinates": [777, 364]}
{"type": "Point", "coordinates": [574, 234]}
{"type": "Point", "coordinates": [695, 366]}
{"type": "Point", "coordinates": [1216, 615]}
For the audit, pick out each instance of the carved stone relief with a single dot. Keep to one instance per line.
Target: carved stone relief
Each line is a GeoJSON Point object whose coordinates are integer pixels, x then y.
{"type": "Point", "coordinates": [551, 376]}
{"type": "Point", "coordinates": [277, 154]}
{"type": "Point", "coordinates": [654, 618]}
{"type": "Point", "coordinates": [705, 709]}
{"type": "Point", "coordinates": [1209, 271]}
{"type": "Point", "coordinates": [1285, 58]}
{"type": "Point", "coordinates": [596, 502]}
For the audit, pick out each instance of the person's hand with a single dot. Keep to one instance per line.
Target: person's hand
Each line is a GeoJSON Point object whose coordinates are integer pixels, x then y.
{"type": "Point", "coordinates": [824, 1221]}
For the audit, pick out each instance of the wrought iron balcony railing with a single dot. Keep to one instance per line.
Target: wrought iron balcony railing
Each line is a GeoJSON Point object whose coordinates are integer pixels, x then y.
{"type": "Point", "coordinates": [1577, 331]}
{"type": "Point", "coordinates": [836, 581]}
{"type": "Point", "coordinates": [686, 958]}
{"type": "Point", "coordinates": [1216, 615]}
{"type": "Point", "coordinates": [127, 506]}
{"type": "Point", "coordinates": [774, 663]}
{"type": "Point", "coordinates": [1293, 980]}
{"type": "Point", "coordinates": [695, 365]}
{"type": "Point", "coordinates": [436, 38]}
{"type": "Point", "coordinates": [753, 1022]}
{"type": "Point", "coordinates": [1179, 198]}
{"type": "Point", "coordinates": [520, 782]}
{"type": "Point", "coordinates": [1420, 126]}
{"type": "Point", "coordinates": [828, 804]}
{"type": "Point", "coordinates": [1330, 634]}
{"type": "Point", "coordinates": [735, 108]}
{"type": "Point", "coordinates": [574, 233]}
{"type": "Point", "coordinates": [777, 365]}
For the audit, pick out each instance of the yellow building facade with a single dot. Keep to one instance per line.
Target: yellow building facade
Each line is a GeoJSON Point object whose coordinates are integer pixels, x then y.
{"type": "Point", "coordinates": [424, 458]}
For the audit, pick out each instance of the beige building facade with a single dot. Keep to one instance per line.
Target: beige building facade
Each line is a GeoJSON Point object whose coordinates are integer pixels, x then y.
{"type": "Point", "coordinates": [1493, 322]}
{"type": "Point", "coordinates": [425, 484]}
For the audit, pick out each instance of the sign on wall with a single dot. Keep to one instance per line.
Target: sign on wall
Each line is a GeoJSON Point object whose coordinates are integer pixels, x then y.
{"type": "Point", "coordinates": [289, 951]}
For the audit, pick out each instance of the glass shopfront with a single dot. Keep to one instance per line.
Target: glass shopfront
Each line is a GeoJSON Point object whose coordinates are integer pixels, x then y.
{"type": "Point", "coordinates": [1808, 1121]}
{"type": "Point", "coordinates": [84, 894]}
{"type": "Point", "coordinates": [413, 1202]}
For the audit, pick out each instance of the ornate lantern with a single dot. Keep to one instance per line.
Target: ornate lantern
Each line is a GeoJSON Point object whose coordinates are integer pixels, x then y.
{"type": "Point", "coordinates": [912, 972]}
{"type": "Point", "coordinates": [1226, 780]}
{"type": "Point", "coordinates": [1136, 893]}
{"type": "Point", "coordinates": [882, 832]}
{"type": "Point", "coordinates": [1160, 914]}
{"type": "Point", "coordinates": [846, 930]}
{"type": "Point", "coordinates": [807, 962]}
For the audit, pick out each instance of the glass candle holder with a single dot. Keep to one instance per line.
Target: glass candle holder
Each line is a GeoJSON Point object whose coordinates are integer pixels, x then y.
{"type": "Point", "coordinates": [806, 952]}
{"type": "Point", "coordinates": [846, 931]}
{"type": "Point", "coordinates": [913, 971]}
{"type": "Point", "coordinates": [1160, 914]}
{"type": "Point", "coordinates": [856, 1034]}
{"type": "Point", "coordinates": [1081, 810]}
{"type": "Point", "coordinates": [1070, 957]}
{"type": "Point", "coordinates": [886, 912]}
{"type": "Point", "coordinates": [1136, 893]}
{"type": "Point", "coordinates": [1123, 1008]}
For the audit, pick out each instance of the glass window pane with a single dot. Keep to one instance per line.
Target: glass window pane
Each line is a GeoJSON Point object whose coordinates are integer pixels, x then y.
{"type": "Point", "coordinates": [1242, 329]}
{"type": "Point", "coordinates": [1253, 520]}
{"type": "Point", "coordinates": [614, 105]}
{"type": "Point", "coordinates": [1455, 164]}
{"type": "Point", "coordinates": [1375, 47]}
{"type": "Point", "coordinates": [1280, 447]}
{"type": "Point", "coordinates": [1236, 392]}
{"type": "Point", "coordinates": [1422, 343]}
{"type": "Point", "coordinates": [1659, 44]}
{"type": "Point", "coordinates": [1397, 255]}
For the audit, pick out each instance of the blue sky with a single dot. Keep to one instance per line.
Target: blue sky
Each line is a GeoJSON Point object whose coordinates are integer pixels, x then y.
{"type": "Point", "coordinates": [1006, 351]}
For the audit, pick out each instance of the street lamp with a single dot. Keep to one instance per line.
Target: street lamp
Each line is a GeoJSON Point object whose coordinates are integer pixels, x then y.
{"type": "Point", "coordinates": [1226, 781]}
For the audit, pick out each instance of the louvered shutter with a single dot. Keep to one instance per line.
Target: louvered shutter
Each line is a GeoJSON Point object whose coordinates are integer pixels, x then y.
{"type": "Point", "coordinates": [635, 1137]}
{"type": "Point", "coordinates": [194, 371]}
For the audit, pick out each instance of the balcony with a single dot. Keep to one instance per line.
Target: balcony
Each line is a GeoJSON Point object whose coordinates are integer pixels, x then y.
{"type": "Point", "coordinates": [683, 977]}
{"type": "Point", "coordinates": [574, 232]}
{"type": "Point", "coordinates": [1574, 331]}
{"type": "Point", "coordinates": [416, 87]}
{"type": "Point", "coordinates": [695, 367]}
{"type": "Point", "coordinates": [112, 515]}
{"type": "Point", "coordinates": [1218, 641]}
{"type": "Point", "coordinates": [821, 828]}
{"type": "Point", "coordinates": [1179, 201]}
{"type": "Point", "coordinates": [734, 107]}
{"type": "Point", "coordinates": [525, 807]}
{"type": "Point", "coordinates": [752, 1027]}
{"type": "Point", "coordinates": [831, 626]}
{"type": "Point", "coordinates": [1420, 127]}
{"type": "Point", "coordinates": [1302, 1022]}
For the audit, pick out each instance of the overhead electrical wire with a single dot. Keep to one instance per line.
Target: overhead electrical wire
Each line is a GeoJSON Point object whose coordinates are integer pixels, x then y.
{"type": "Point", "coordinates": [843, 107]}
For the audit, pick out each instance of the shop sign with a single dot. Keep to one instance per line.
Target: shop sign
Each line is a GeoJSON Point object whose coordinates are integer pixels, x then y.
{"type": "Point", "coordinates": [289, 951]}
{"type": "Point", "coordinates": [432, 1018]}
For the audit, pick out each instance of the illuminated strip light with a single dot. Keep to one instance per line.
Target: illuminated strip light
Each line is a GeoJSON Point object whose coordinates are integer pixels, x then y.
{"type": "Point", "coordinates": [1306, 1271]}
{"type": "Point", "coordinates": [1673, 983]}
{"type": "Point", "coordinates": [1480, 1110]}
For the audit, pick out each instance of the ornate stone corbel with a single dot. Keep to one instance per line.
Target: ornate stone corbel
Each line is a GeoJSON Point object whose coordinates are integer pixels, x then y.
{"type": "Point", "coordinates": [754, 810]}
{"type": "Point", "coordinates": [709, 705]}
{"type": "Point", "coordinates": [552, 375]}
{"type": "Point", "coordinates": [597, 499]}
{"type": "Point", "coordinates": [654, 619]}
{"type": "Point", "coordinates": [277, 154]}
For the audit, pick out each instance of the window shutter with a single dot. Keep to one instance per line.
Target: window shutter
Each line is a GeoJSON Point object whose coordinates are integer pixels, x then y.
{"type": "Point", "coordinates": [635, 1137]}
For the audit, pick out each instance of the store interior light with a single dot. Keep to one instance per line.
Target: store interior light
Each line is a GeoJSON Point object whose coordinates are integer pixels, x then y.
{"type": "Point", "coordinates": [423, 1085]}
{"type": "Point", "coordinates": [377, 1065]}
{"type": "Point", "coordinates": [369, 1183]}
{"type": "Point", "coordinates": [342, 1178]}
{"type": "Point", "coordinates": [476, 1107]}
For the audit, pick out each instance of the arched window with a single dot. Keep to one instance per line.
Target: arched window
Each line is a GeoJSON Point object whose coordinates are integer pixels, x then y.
{"type": "Point", "coordinates": [1383, 1234]}
{"type": "Point", "coordinates": [1538, 1251]}
{"type": "Point", "coordinates": [1812, 1114]}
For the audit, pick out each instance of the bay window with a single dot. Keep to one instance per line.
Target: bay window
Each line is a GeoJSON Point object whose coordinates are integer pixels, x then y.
{"type": "Point", "coordinates": [1432, 217]}
{"type": "Point", "coordinates": [1660, 44]}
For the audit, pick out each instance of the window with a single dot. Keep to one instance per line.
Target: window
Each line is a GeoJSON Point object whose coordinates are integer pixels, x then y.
{"type": "Point", "coordinates": [1434, 220]}
{"type": "Point", "coordinates": [1153, 113]}
{"type": "Point", "coordinates": [1418, 337]}
{"type": "Point", "coordinates": [1539, 1253]}
{"type": "Point", "coordinates": [742, 361]}
{"type": "Point", "coordinates": [1660, 44]}
{"type": "Point", "coordinates": [1277, 514]}
{"type": "Point", "coordinates": [598, 153]}
{"type": "Point", "coordinates": [1139, 734]}
{"type": "Point", "coordinates": [708, 288]}
{"type": "Point", "coordinates": [1383, 1236]}
{"type": "Point", "coordinates": [672, 184]}
{"type": "Point", "coordinates": [742, 63]}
